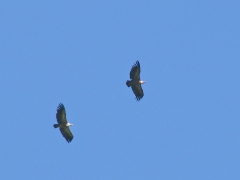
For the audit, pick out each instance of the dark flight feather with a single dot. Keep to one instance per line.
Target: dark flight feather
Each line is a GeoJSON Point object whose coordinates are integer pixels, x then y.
{"type": "Point", "coordinates": [138, 91]}
{"type": "Point", "coordinates": [135, 71]}
{"type": "Point", "coordinates": [61, 114]}
{"type": "Point", "coordinates": [67, 134]}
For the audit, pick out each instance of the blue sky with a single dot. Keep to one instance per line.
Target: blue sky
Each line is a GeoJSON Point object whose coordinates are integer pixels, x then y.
{"type": "Point", "coordinates": [80, 53]}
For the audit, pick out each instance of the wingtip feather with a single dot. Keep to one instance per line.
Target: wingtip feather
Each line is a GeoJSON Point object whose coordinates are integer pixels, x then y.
{"type": "Point", "coordinates": [60, 107]}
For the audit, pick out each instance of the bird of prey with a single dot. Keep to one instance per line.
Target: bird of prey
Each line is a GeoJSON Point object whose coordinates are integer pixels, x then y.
{"type": "Point", "coordinates": [62, 123]}
{"type": "Point", "coordinates": [135, 81]}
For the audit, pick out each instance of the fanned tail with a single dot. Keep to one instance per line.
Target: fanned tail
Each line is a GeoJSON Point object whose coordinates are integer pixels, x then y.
{"type": "Point", "coordinates": [56, 125]}
{"type": "Point", "coordinates": [128, 83]}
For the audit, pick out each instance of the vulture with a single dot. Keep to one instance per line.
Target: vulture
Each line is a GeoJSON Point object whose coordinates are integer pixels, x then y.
{"type": "Point", "coordinates": [135, 81]}
{"type": "Point", "coordinates": [62, 123]}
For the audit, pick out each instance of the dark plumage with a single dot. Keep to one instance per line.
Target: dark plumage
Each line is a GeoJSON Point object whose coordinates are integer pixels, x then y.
{"type": "Point", "coordinates": [62, 123]}
{"type": "Point", "coordinates": [135, 81]}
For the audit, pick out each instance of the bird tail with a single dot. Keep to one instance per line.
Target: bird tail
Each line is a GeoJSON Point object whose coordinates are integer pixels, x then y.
{"type": "Point", "coordinates": [128, 83]}
{"type": "Point", "coordinates": [56, 125]}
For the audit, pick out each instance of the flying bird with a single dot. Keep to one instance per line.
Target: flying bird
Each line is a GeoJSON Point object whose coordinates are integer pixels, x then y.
{"type": "Point", "coordinates": [62, 123]}
{"type": "Point", "coordinates": [135, 81]}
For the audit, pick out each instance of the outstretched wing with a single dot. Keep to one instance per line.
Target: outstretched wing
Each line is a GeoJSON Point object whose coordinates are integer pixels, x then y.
{"type": "Point", "coordinates": [138, 91]}
{"type": "Point", "coordinates": [135, 71]}
{"type": "Point", "coordinates": [61, 114]}
{"type": "Point", "coordinates": [67, 134]}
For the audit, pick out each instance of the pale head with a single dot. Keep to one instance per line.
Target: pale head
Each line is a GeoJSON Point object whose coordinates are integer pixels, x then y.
{"type": "Point", "coordinates": [142, 82]}
{"type": "Point", "coordinates": [68, 124]}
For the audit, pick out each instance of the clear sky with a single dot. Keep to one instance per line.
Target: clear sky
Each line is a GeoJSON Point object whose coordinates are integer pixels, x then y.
{"type": "Point", "coordinates": [79, 53]}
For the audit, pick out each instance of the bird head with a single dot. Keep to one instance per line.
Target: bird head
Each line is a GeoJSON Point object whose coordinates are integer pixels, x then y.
{"type": "Point", "coordinates": [68, 124]}
{"type": "Point", "coordinates": [142, 82]}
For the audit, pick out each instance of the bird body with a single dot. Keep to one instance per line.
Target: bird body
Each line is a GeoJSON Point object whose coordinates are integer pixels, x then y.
{"type": "Point", "coordinates": [135, 81]}
{"type": "Point", "coordinates": [63, 125]}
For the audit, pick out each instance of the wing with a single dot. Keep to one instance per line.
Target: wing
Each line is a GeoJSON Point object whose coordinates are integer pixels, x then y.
{"type": "Point", "coordinates": [67, 134]}
{"type": "Point", "coordinates": [61, 114]}
{"type": "Point", "coordinates": [138, 91]}
{"type": "Point", "coordinates": [135, 71]}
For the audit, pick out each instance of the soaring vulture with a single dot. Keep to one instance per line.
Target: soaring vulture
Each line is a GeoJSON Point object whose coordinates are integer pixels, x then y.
{"type": "Point", "coordinates": [135, 81]}
{"type": "Point", "coordinates": [62, 123]}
